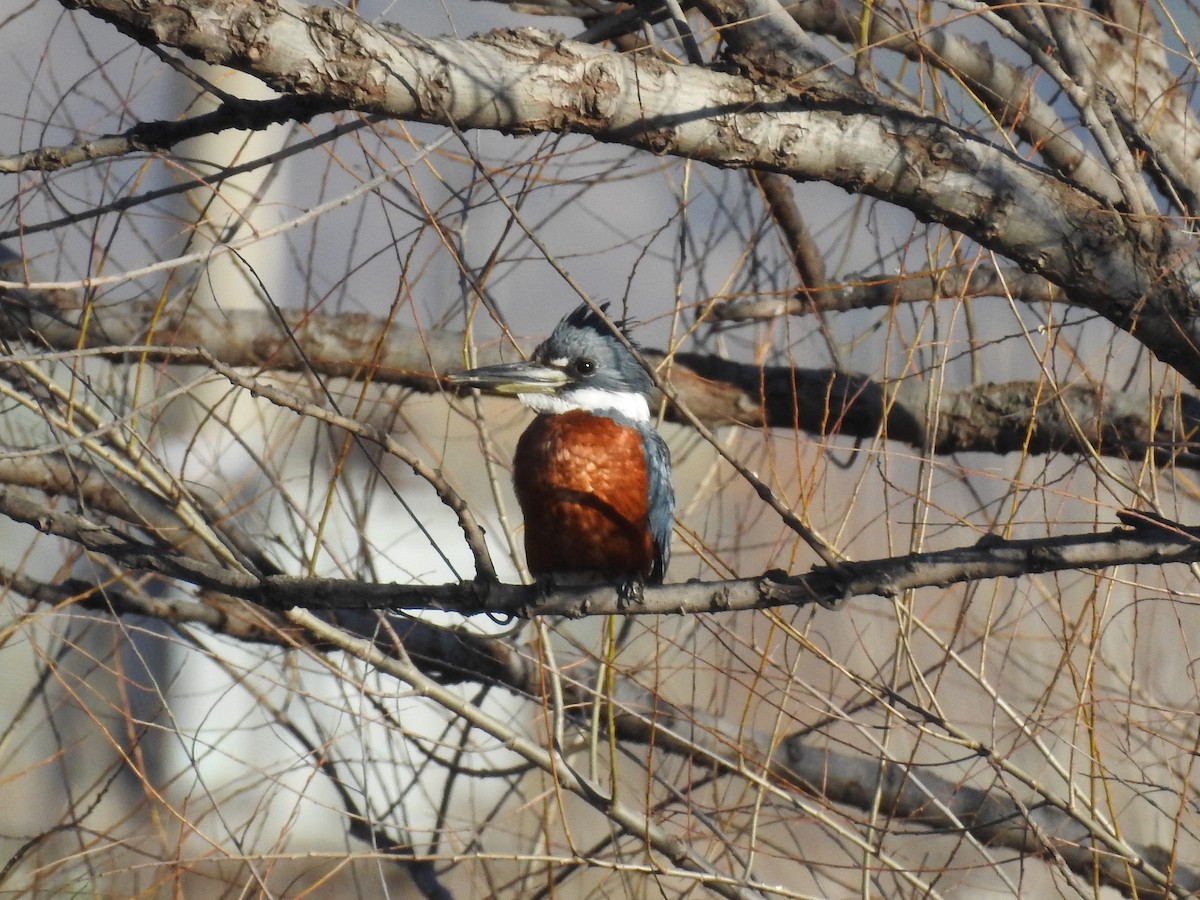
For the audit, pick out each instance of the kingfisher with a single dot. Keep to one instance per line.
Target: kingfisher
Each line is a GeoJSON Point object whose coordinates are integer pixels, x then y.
{"type": "Point", "coordinates": [591, 473]}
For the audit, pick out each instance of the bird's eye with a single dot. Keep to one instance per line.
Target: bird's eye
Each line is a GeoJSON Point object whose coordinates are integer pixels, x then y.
{"type": "Point", "coordinates": [583, 367]}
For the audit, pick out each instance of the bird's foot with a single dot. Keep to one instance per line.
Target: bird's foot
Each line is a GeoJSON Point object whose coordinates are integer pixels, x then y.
{"type": "Point", "coordinates": [546, 583]}
{"type": "Point", "coordinates": [630, 593]}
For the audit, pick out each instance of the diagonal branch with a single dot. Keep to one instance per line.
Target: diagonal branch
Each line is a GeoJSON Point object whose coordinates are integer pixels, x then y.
{"type": "Point", "coordinates": [1046, 825]}
{"type": "Point", "coordinates": [1142, 275]}
{"type": "Point", "coordinates": [1007, 92]}
{"type": "Point", "coordinates": [245, 115]}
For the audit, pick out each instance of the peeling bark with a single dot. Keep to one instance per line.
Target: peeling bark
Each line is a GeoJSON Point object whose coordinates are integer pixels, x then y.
{"type": "Point", "coordinates": [1141, 275]}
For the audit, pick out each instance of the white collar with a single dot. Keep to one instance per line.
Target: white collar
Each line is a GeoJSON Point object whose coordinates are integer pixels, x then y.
{"type": "Point", "coordinates": [630, 404]}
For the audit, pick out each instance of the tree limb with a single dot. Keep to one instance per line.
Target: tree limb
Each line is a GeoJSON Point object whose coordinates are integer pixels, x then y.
{"type": "Point", "coordinates": [246, 115]}
{"type": "Point", "coordinates": [1005, 90]}
{"type": "Point", "coordinates": [1142, 275]}
{"type": "Point", "coordinates": [1029, 416]}
{"type": "Point", "coordinates": [1151, 542]}
{"type": "Point", "coordinates": [887, 291]}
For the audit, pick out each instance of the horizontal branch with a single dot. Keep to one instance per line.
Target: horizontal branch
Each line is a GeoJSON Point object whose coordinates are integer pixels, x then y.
{"type": "Point", "coordinates": [873, 293]}
{"type": "Point", "coordinates": [1150, 542]}
{"type": "Point", "coordinates": [1138, 273]}
{"type": "Point", "coordinates": [450, 655]}
{"type": "Point", "coordinates": [1027, 416]}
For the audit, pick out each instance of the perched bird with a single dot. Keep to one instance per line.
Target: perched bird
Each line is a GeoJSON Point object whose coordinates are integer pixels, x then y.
{"type": "Point", "coordinates": [592, 475]}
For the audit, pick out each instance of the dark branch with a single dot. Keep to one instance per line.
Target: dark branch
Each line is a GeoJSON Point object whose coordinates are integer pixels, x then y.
{"type": "Point", "coordinates": [245, 115]}
{"type": "Point", "coordinates": [1018, 416]}
{"type": "Point", "coordinates": [1150, 542]}
{"type": "Point", "coordinates": [1021, 416]}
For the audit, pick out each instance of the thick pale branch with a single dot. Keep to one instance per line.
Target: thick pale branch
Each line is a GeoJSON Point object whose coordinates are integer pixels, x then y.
{"type": "Point", "coordinates": [1008, 92]}
{"type": "Point", "coordinates": [1141, 275]}
{"type": "Point", "coordinates": [1131, 57]}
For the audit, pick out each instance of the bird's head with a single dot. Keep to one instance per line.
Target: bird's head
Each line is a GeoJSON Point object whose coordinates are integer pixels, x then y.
{"type": "Point", "coordinates": [581, 365]}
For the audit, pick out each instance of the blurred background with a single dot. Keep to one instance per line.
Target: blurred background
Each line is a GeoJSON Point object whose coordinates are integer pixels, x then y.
{"type": "Point", "coordinates": [145, 756]}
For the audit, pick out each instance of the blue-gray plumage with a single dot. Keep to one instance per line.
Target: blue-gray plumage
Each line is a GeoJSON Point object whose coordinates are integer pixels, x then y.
{"type": "Point", "coordinates": [660, 500]}
{"type": "Point", "coordinates": [592, 475]}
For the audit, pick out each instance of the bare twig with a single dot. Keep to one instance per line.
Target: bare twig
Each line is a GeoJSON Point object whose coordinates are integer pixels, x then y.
{"type": "Point", "coordinates": [806, 257]}
{"type": "Point", "coordinates": [245, 115]}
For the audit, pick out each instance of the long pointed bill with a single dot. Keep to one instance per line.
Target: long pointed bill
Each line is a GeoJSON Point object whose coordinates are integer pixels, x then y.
{"type": "Point", "coordinates": [513, 378]}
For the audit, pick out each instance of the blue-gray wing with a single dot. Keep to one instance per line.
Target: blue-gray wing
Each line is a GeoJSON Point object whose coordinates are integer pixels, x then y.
{"type": "Point", "coordinates": [661, 501]}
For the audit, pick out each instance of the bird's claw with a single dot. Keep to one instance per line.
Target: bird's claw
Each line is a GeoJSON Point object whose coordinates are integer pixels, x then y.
{"type": "Point", "coordinates": [631, 593]}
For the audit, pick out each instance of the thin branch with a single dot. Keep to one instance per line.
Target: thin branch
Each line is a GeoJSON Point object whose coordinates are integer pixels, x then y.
{"type": "Point", "coordinates": [926, 799]}
{"type": "Point", "coordinates": [1007, 92]}
{"type": "Point", "coordinates": [920, 798]}
{"type": "Point", "coordinates": [1044, 826]}
{"type": "Point", "coordinates": [762, 34]}
{"type": "Point", "coordinates": [806, 257]}
{"type": "Point", "coordinates": [451, 655]}
{"type": "Point", "coordinates": [991, 557]}
{"type": "Point", "coordinates": [149, 137]}
{"type": "Point", "coordinates": [109, 493]}
{"type": "Point", "coordinates": [626, 817]}
{"type": "Point", "coordinates": [467, 523]}
{"type": "Point", "coordinates": [887, 291]}
{"type": "Point", "coordinates": [197, 181]}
